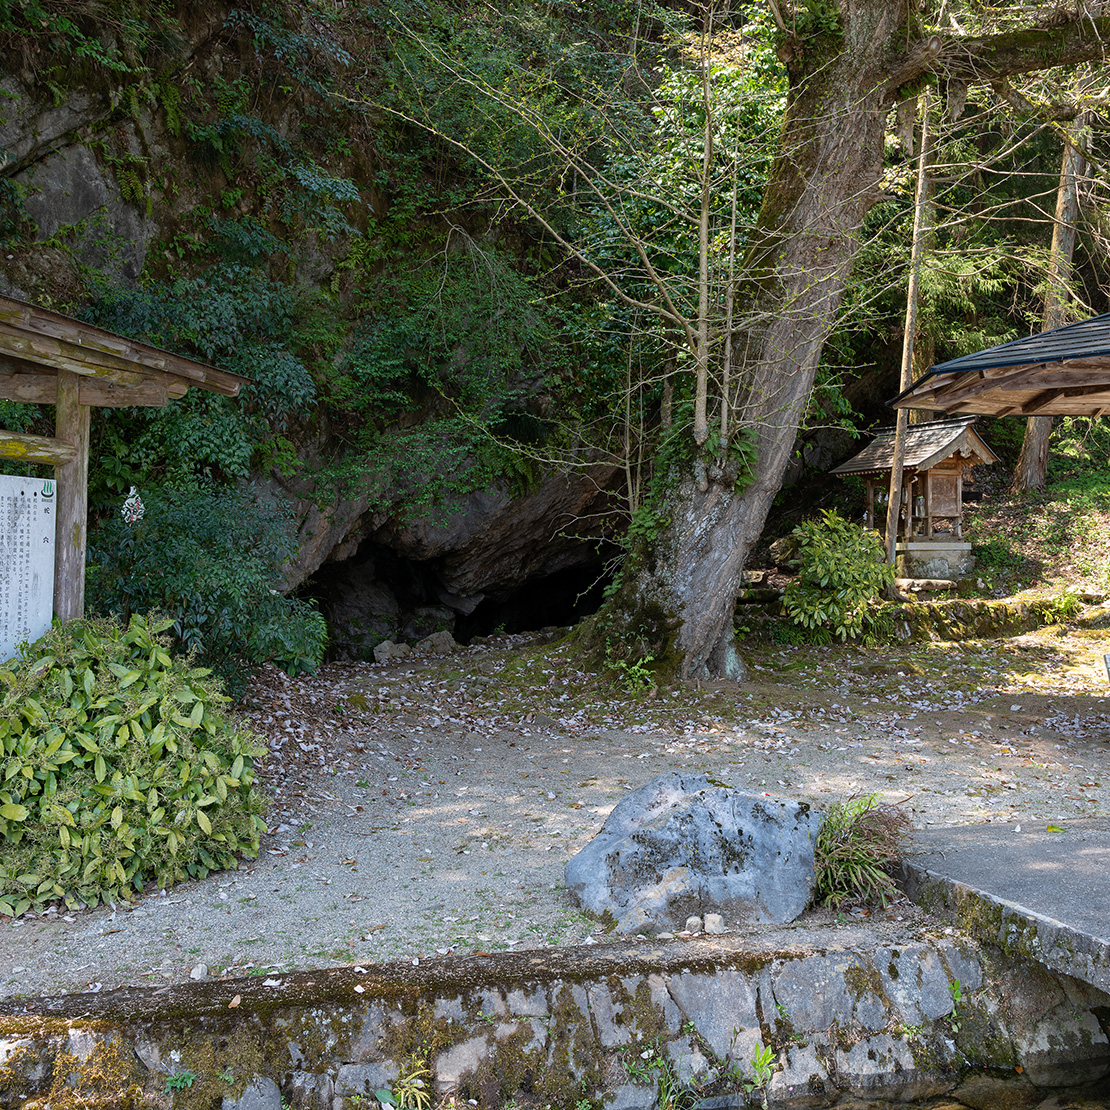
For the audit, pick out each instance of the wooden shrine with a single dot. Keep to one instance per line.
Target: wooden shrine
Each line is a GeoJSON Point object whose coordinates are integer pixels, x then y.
{"type": "Point", "coordinates": [50, 359]}
{"type": "Point", "coordinates": [938, 454]}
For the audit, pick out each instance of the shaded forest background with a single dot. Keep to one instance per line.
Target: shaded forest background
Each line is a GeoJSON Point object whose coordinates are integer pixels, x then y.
{"type": "Point", "coordinates": [450, 412]}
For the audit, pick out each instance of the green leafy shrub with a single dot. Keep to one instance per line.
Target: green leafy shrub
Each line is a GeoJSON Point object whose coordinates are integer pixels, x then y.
{"type": "Point", "coordinates": [856, 848]}
{"type": "Point", "coordinates": [843, 567]}
{"type": "Point", "coordinates": [117, 767]}
{"type": "Point", "coordinates": [209, 558]}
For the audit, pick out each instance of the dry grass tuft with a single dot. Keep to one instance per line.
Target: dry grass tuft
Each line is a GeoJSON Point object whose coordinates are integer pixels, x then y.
{"type": "Point", "coordinates": [857, 847]}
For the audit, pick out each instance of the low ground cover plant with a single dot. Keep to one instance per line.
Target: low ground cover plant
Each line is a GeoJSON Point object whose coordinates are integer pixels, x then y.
{"type": "Point", "coordinates": [118, 766]}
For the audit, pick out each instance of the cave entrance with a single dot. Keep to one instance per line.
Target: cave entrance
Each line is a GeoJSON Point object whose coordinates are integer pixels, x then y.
{"type": "Point", "coordinates": [381, 595]}
{"type": "Point", "coordinates": [562, 598]}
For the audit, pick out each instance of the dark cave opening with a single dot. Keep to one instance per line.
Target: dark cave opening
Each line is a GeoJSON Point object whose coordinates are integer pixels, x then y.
{"type": "Point", "coordinates": [562, 598]}
{"type": "Point", "coordinates": [380, 595]}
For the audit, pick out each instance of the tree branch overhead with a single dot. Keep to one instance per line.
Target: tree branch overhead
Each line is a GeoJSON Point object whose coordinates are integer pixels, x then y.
{"type": "Point", "coordinates": [992, 58]}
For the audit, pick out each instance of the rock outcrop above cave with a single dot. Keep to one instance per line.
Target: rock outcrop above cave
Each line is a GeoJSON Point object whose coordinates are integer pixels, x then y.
{"type": "Point", "coordinates": [492, 542]}
{"type": "Point", "coordinates": [490, 546]}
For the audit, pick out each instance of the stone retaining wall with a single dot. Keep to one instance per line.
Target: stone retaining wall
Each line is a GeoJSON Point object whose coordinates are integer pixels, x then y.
{"type": "Point", "coordinates": [619, 1027]}
{"type": "Point", "coordinates": [949, 619]}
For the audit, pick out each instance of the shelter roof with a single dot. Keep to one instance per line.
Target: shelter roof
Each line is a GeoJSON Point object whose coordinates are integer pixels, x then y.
{"type": "Point", "coordinates": [35, 343]}
{"type": "Point", "coordinates": [1065, 371]}
{"type": "Point", "coordinates": [926, 445]}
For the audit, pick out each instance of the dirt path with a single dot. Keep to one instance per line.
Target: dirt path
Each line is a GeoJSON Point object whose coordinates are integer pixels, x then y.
{"type": "Point", "coordinates": [430, 808]}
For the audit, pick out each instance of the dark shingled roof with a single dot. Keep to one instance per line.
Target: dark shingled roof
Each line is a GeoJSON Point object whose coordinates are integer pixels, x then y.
{"type": "Point", "coordinates": [1065, 371]}
{"type": "Point", "coordinates": [926, 445]}
{"type": "Point", "coordinates": [1086, 339]}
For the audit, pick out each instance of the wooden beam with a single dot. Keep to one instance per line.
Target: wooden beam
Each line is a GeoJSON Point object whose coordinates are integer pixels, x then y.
{"type": "Point", "coordinates": [1100, 362]}
{"type": "Point", "coordinates": [88, 347]}
{"type": "Point", "coordinates": [19, 316]}
{"type": "Point", "coordinates": [42, 389]}
{"type": "Point", "coordinates": [1040, 401]}
{"type": "Point", "coordinates": [43, 350]}
{"type": "Point", "coordinates": [1078, 390]}
{"type": "Point", "coordinates": [101, 394]}
{"type": "Point", "coordinates": [20, 447]}
{"type": "Point", "coordinates": [48, 351]}
{"type": "Point", "coordinates": [1050, 396]}
{"type": "Point", "coordinates": [35, 389]}
{"type": "Point", "coordinates": [1071, 378]}
{"type": "Point", "coordinates": [1014, 380]}
{"type": "Point", "coordinates": [959, 382]}
{"type": "Point", "coordinates": [71, 426]}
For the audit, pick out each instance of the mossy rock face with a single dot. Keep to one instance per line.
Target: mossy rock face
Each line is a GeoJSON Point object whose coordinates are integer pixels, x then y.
{"type": "Point", "coordinates": [545, 1029]}
{"type": "Point", "coordinates": [948, 620]}
{"type": "Point", "coordinates": [1097, 617]}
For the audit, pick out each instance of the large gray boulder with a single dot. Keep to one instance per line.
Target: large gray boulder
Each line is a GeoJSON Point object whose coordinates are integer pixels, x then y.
{"type": "Point", "coordinates": [682, 846]}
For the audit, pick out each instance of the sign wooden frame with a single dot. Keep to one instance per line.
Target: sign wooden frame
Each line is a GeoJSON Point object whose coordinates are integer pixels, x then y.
{"type": "Point", "coordinates": [47, 358]}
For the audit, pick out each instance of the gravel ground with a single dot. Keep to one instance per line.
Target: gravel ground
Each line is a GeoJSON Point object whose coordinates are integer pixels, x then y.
{"type": "Point", "coordinates": [429, 808]}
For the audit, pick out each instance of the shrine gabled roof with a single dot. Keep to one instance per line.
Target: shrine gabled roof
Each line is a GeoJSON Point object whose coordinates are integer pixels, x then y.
{"type": "Point", "coordinates": [926, 445]}
{"type": "Point", "coordinates": [1064, 371]}
{"type": "Point", "coordinates": [35, 343]}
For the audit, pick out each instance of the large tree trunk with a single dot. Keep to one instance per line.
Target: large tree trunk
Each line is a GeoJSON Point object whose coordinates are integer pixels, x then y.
{"type": "Point", "coordinates": [678, 591]}
{"type": "Point", "coordinates": [678, 588]}
{"type": "Point", "coordinates": [1032, 465]}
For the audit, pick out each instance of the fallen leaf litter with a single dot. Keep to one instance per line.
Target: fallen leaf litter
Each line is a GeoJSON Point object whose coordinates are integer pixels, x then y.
{"type": "Point", "coordinates": [428, 808]}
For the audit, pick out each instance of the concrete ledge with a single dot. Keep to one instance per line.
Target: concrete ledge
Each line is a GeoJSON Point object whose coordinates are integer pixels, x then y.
{"type": "Point", "coordinates": [866, 1012]}
{"type": "Point", "coordinates": [1034, 894]}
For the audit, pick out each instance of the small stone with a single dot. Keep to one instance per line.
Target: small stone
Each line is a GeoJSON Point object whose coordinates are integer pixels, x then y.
{"type": "Point", "coordinates": [199, 972]}
{"type": "Point", "coordinates": [387, 651]}
{"type": "Point", "coordinates": [438, 643]}
{"type": "Point", "coordinates": [714, 923]}
{"type": "Point", "coordinates": [693, 924]}
{"type": "Point", "coordinates": [261, 1094]}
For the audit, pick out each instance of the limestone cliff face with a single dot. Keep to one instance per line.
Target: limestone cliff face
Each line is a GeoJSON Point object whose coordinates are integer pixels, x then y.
{"type": "Point", "coordinates": [85, 168]}
{"type": "Point", "coordinates": [102, 184]}
{"type": "Point", "coordinates": [67, 194]}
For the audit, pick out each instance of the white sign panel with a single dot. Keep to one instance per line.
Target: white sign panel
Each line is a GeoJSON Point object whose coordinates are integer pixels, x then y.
{"type": "Point", "coordinates": [26, 560]}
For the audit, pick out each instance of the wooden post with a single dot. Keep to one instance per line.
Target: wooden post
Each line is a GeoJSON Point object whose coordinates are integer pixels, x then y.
{"type": "Point", "coordinates": [959, 529]}
{"type": "Point", "coordinates": [71, 426]}
{"type": "Point", "coordinates": [928, 503]}
{"type": "Point", "coordinates": [922, 222]}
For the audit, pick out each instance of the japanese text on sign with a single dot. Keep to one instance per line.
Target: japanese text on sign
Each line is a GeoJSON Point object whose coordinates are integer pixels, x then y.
{"type": "Point", "coordinates": [27, 512]}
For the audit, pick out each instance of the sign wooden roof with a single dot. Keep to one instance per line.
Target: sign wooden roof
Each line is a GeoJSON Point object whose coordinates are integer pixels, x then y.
{"type": "Point", "coordinates": [36, 343]}
{"type": "Point", "coordinates": [1065, 371]}
{"type": "Point", "coordinates": [926, 445]}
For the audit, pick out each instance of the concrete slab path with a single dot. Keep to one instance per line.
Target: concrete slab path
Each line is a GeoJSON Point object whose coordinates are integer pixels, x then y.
{"type": "Point", "coordinates": [1040, 891]}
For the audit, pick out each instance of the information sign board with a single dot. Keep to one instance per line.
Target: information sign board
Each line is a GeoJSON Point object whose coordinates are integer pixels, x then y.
{"type": "Point", "coordinates": [27, 515]}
